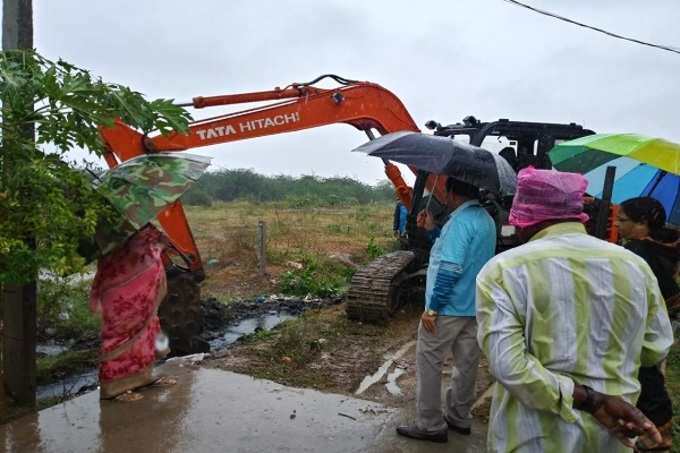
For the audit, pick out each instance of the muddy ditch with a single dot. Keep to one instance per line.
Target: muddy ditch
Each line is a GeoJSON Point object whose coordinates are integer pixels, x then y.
{"type": "Point", "coordinates": [226, 324]}
{"type": "Point", "coordinates": [69, 365]}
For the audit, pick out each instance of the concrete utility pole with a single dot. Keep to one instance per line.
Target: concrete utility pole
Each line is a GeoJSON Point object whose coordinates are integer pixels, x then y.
{"type": "Point", "coordinates": [19, 301]}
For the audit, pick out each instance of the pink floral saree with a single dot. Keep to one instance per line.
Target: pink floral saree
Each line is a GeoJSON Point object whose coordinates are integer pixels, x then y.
{"type": "Point", "coordinates": [127, 290]}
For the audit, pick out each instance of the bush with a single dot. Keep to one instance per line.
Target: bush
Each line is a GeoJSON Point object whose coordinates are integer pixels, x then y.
{"type": "Point", "coordinates": [63, 305]}
{"type": "Point", "coordinates": [315, 279]}
{"type": "Point", "coordinates": [297, 342]}
{"type": "Point", "coordinates": [197, 196]}
{"type": "Point", "coordinates": [305, 191]}
{"type": "Point", "coordinates": [373, 250]}
{"type": "Point", "coordinates": [300, 202]}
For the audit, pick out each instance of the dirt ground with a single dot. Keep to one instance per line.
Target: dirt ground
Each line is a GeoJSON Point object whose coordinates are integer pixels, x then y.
{"type": "Point", "coordinates": [324, 350]}
{"type": "Point", "coordinates": [226, 237]}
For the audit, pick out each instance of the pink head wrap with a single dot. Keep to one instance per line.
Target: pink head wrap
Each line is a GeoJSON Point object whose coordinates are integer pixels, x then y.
{"type": "Point", "coordinates": [547, 195]}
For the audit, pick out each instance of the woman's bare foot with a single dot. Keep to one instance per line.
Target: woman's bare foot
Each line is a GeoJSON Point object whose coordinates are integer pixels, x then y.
{"type": "Point", "coordinates": [129, 396]}
{"type": "Point", "coordinates": [112, 389]}
{"type": "Point", "coordinates": [165, 381]}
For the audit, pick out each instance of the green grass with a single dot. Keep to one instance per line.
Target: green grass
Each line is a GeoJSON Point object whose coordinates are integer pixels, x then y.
{"type": "Point", "coordinates": [297, 234]}
{"type": "Point", "coordinates": [64, 308]}
{"type": "Point", "coordinates": [71, 362]}
{"type": "Point", "coordinates": [318, 277]}
{"type": "Point", "coordinates": [673, 386]}
{"type": "Point", "coordinates": [64, 314]}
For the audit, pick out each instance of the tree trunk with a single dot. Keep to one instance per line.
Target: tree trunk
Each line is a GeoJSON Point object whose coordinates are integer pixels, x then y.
{"type": "Point", "coordinates": [18, 301]}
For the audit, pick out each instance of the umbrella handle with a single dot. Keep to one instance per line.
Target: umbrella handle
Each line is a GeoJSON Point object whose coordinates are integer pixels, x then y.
{"type": "Point", "coordinates": [427, 205]}
{"type": "Point", "coordinates": [171, 248]}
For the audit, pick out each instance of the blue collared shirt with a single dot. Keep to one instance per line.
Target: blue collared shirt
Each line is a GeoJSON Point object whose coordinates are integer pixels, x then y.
{"type": "Point", "coordinates": [467, 241]}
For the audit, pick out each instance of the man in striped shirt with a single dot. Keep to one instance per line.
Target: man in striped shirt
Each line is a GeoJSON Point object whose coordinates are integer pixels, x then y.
{"type": "Point", "coordinates": [565, 321]}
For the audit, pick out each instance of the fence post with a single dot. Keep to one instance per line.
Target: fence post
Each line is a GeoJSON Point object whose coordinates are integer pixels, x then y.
{"type": "Point", "coordinates": [261, 248]}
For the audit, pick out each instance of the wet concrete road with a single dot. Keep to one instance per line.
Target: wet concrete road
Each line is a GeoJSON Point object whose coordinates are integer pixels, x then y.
{"type": "Point", "coordinates": [390, 442]}
{"type": "Point", "coordinates": [212, 410]}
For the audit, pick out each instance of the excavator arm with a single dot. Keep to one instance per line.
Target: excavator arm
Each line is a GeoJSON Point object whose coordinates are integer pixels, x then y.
{"type": "Point", "coordinates": [366, 106]}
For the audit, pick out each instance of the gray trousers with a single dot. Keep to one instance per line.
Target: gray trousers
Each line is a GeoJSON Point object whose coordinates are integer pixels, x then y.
{"type": "Point", "coordinates": [459, 335]}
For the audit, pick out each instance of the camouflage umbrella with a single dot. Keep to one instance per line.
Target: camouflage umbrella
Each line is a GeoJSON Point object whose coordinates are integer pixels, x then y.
{"type": "Point", "coordinates": [142, 187]}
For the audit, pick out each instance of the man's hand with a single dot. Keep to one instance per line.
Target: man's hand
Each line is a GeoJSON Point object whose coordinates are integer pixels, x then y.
{"type": "Point", "coordinates": [425, 220]}
{"type": "Point", "coordinates": [429, 322]}
{"type": "Point", "coordinates": [623, 420]}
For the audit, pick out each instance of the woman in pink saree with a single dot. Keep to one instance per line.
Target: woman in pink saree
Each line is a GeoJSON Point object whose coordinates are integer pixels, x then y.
{"type": "Point", "coordinates": [128, 288]}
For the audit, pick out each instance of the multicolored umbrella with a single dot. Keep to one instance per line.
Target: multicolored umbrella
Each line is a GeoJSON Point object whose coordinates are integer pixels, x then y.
{"type": "Point", "coordinates": [645, 166]}
{"type": "Point", "coordinates": [140, 188]}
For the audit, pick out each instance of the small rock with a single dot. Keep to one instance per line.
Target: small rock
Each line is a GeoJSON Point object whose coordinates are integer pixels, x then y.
{"type": "Point", "coordinates": [401, 364]}
{"type": "Point", "coordinates": [213, 262]}
{"type": "Point", "coordinates": [192, 359]}
{"type": "Point", "coordinates": [345, 259]}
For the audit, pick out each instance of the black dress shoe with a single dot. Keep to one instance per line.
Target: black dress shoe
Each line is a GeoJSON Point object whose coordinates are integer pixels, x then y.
{"type": "Point", "coordinates": [414, 433]}
{"type": "Point", "coordinates": [456, 428]}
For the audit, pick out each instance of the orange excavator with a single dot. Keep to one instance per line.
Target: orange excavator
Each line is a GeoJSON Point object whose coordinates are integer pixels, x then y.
{"type": "Point", "coordinates": [366, 106]}
{"type": "Point", "coordinates": [378, 289]}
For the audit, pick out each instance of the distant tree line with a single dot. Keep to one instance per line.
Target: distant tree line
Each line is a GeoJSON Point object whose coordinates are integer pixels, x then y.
{"type": "Point", "coordinates": [241, 184]}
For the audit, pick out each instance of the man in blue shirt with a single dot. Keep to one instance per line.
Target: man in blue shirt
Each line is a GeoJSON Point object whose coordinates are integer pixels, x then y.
{"type": "Point", "coordinates": [400, 219]}
{"type": "Point", "coordinates": [463, 245]}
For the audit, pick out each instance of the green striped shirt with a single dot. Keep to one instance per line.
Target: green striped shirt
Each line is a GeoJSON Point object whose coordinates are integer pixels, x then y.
{"type": "Point", "coordinates": [565, 308]}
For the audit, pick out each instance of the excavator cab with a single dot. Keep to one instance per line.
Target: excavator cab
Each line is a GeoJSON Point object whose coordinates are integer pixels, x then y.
{"type": "Point", "coordinates": [386, 284]}
{"type": "Point", "coordinates": [521, 143]}
{"type": "Point", "coordinates": [530, 141]}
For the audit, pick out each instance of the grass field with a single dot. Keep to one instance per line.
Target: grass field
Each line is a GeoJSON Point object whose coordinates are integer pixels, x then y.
{"type": "Point", "coordinates": [673, 386]}
{"type": "Point", "coordinates": [327, 240]}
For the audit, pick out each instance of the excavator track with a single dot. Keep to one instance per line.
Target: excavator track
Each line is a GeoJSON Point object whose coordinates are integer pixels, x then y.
{"type": "Point", "coordinates": [372, 295]}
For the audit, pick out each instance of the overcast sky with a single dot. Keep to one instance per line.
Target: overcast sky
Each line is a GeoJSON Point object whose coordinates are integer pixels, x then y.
{"type": "Point", "coordinates": [443, 59]}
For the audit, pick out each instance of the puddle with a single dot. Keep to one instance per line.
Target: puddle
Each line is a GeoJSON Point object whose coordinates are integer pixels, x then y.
{"type": "Point", "coordinates": [207, 410]}
{"type": "Point", "coordinates": [369, 380]}
{"type": "Point", "coordinates": [392, 385]}
{"type": "Point", "coordinates": [246, 318]}
{"type": "Point", "coordinates": [50, 350]}
{"type": "Point", "coordinates": [69, 386]}
{"type": "Point", "coordinates": [248, 326]}
{"type": "Point", "coordinates": [373, 378]}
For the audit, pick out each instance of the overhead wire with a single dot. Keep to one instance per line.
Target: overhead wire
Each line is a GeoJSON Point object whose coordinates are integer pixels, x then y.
{"type": "Point", "coordinates": [597, 29]}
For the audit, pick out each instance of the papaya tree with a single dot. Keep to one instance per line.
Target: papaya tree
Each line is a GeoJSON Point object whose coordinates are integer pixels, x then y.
{"type": "Point", "coordinates": [47, 204]}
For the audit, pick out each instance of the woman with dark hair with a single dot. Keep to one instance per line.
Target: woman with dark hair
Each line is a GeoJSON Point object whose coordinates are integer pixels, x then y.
{"type": "Point", "coordinates": [641, 223]}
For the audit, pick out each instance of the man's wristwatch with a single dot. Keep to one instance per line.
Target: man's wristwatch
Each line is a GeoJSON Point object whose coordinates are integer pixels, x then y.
{"type": "Point", "coordinates": [430, 312]}
{"type": "Point", "coordinates": [591, 403]}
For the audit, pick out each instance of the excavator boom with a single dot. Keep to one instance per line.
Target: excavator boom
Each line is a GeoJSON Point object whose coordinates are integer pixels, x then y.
{"type": "Point", "coordinates": [364, 105]}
